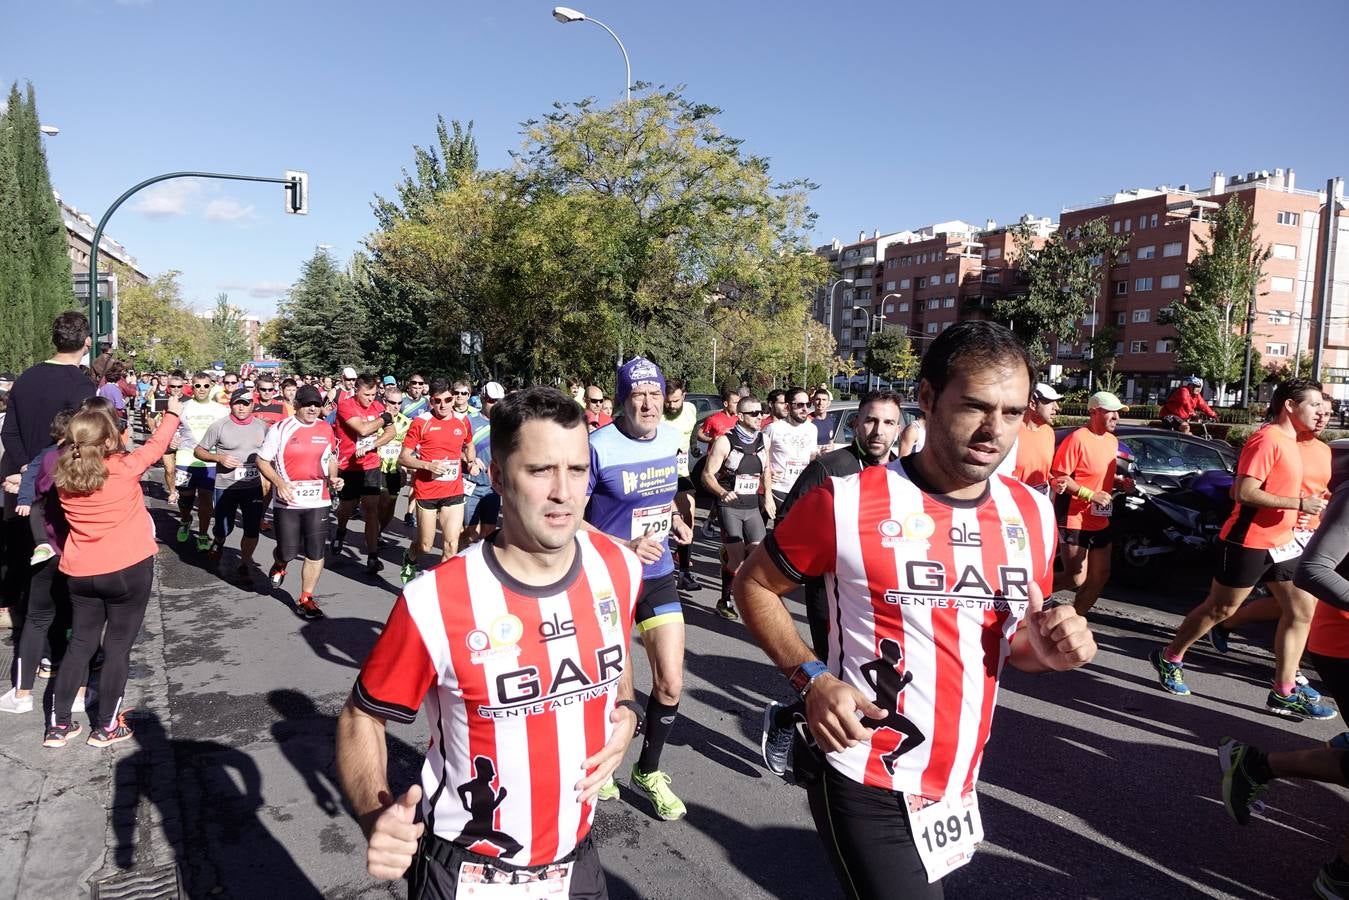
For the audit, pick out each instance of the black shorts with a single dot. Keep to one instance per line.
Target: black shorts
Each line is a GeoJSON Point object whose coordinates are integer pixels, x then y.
{"type": "Point", "coordinates": [393, 482]}
{"type": "Point", "coordinates": [358, 483]}
{"type": "Point", "coordinates": [866, 834]}
{"type": "Point", "coordinates": [658, 603]}
{"type": "Point", "coordinates": [1091, 540]}
{"type": "Point", "coordinates": [1244, 567]}
{"type": "Point", "coordinates": [243, 499]}
{"type": "Point", "coordinates": [686, 484]}
{"type": "Point", "coordinates": [436, 868]}
{"type": "Point", "coordinates": [300, 532]}
{"type": "Point", "coordinates": [441, 502]}
{"type": "Point", "coordinates": [487, 511]}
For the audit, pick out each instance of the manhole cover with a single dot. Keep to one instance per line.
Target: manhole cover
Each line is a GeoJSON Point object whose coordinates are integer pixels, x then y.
{"type": "Point", "coordinates": [140, 884]}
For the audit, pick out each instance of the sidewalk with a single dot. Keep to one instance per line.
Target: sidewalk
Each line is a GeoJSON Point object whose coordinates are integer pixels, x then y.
{"type": "Point", "coordinates": [85, 822]}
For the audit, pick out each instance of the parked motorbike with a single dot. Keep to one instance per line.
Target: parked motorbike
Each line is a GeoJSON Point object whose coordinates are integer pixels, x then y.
{"type": "Point", "coordinates": [1166, 517]}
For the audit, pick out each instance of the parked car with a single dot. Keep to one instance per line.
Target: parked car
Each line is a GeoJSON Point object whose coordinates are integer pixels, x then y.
{"type": "Point", "coordinates": [704, 403]}
{"type": "Point", "coordinates": [1166, 453]}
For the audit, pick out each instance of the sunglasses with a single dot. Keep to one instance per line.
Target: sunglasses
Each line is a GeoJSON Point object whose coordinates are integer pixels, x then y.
{"type": "Point", "coordinates": [752, 412]}
{"type": "Point", "coordinates": [266, 390]}
{"type": "Point", "coordinates": [176, 387]}
{"type": "Point", "coordinates": [314, 403]}
{"type": "Point", "coordinates": [594, 399]}
{"type": "Point", "coordinates": [461, 393]}
{"type": "Point", "coordinates": [202, 384]}
{"type": "Point", "coordinates": [800, 405]}
{"type": "Point", "coordinates": [440, 401]}
{"type": "Point", "coordinates": [416, 383]}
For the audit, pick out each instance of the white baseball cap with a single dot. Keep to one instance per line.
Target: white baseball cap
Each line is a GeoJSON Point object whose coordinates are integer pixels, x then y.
{"type": "Point", "coordinates": [1047, 393]}
{"type": "Point", "coordinates": [493, 391]}
{"type": "Point", "coordinates": [348, 372]}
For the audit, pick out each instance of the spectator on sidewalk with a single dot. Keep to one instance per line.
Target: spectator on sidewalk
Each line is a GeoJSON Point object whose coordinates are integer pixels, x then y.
{"type": "Point", "coordinates": [109, 560]}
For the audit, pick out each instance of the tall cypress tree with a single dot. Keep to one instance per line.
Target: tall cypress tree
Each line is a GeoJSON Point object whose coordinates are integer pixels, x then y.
{"type": "Point", "coordinates": [49, 259]}
{"type": "Point", "coordinates": [16, 305]}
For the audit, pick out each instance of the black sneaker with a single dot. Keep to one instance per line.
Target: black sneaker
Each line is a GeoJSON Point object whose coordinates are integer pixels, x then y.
{"type": "Point", "coordinates": [726, 610]}
{"type": "Point", "coordinates": [408, 520]}
{"type": "Point", "coordinates": [57, 736]}
{"type": "Point", "coordinates": [1218, 636]}
{"type": "Point", "coordinates": [339, 539]}
{"type": "Point", "coordinates": [1241, 792]}
{"type": "Point", "coordinates": [775, 744]}
{"type": "Point", "coordinates": [373, 564]}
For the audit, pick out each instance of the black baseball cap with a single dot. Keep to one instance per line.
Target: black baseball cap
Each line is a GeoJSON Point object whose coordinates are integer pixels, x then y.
{"type": "Point", "coordinates": [308, 394]}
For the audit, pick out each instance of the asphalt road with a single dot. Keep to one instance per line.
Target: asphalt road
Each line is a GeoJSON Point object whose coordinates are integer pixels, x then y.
{"type": "Point", "coordinates": [1095, 783]}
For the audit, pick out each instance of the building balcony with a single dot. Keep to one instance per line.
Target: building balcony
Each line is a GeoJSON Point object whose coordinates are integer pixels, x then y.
{"type": "Point", "coordinates": [863, 281]}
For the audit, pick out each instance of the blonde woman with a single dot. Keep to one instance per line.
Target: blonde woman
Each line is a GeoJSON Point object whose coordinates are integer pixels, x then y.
{"type": "Point", "coordinates": [109, 561]}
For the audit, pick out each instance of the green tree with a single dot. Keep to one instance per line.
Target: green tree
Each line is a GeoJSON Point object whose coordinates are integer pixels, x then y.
{"type": "Point", "coordinates": [1210, 320]}
{"type": "Point", "coordinates": [321, 320]}
{"type": "Point", "coordinates": [16, 299]}
{"type": "Point", "coordinates": [226, 335]}
{"type": "Point", "coordinates": [156, 325]}
{"type": "Point", "coordinates": [1063, 281]}
{"type": "Point", "coordinates": [52, 293]}
{"type": "Point", "coordinates": [890, 356]}
{"type": "Point", "coordinates": [625, 229]}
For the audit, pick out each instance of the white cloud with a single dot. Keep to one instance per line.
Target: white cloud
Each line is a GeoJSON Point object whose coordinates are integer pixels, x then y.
{"type": "Point", "coordinates": [167, 199]}
{"type": "Point", "coordinates": [262, 290]}
{"type": "Point", "coordinates": [227, 209]}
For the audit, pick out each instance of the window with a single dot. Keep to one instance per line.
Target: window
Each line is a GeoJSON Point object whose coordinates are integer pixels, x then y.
{"type": "Point", "coordinates": [1142, 284]}
{"type": "Point", "coordinates": [1116, 226]}
{"type": "Point", "coordinates": [1148, 252]}
{"type": "Point", "coordinates": [904, 307]}
{"type": "Point", "coordinates": [1128, 225]}
{"type": "Point", "coordinates": [946, 325]}
{"type": "Point", "coordinates": [1280, 285]}
{"type": "Point", "coordinates": [1285, 251]}
{"type": "Point", "coordinates": [1121, 288]}
{"type": "Point", "coordinates": [1096, 259]}
{"type": "Point", "coordinates": [850, 254]}
{"type": "Point", "coordinates": [992, 277]}
{"type": "Point", "coordinates": [1122, 258]}
{"type": "Point", "coordinates": [922, 282]}
{"type": "Point", "coordinates": [1088, 320]}
{"type": "Point", "coordinates": [1287, 218]}
{"type": "Point", "coordinates": [903, 284]}
{"type": "Point", "coordinates": [1119, 318]}
{"type": "Point", "coordinates": [1142, 222]}
{"type": "Point", "coordinates": [1142, 315]}
{"type": "Point", "coordinates": [949, 303]}
{"type": "Point", "coordinates": [931, 327]}
{"type": "Point", "coordinates": [864, 294]}
{"type": "Point", "coordinates": [1166, 345]}
{"type": "Point", "coordinates": [934, 303]}
{"type": "Point", "coordinates": [950, 278]}
{"type": "Point", "coordinates": [1171, 249]}
{"type": "Point", "coordinates": [906, 260]}
{"type": "Point", "coordinates": [889, 285]}
{"type": "Point", "coordinates": [1065, 349]}
{"type": "Point", "coordinates": [1119, 348]}
{"type": "Point", "coordinates": [1154, 220]}
{"type": "Point", "coordinates": [1138, 346]}
{"type": "Point", "coordinates": [994, 253]}
{"type": "Point", "coordinates": [1276, 349]}
{"type": "Point", "coordinates": [847, 296]}
{"type": "Point", "coordinates": [1170, 281]}
{"type": "Point", "coordinates": [1172, 456]}
{"type": "Point", "coordinates": [1279, 317]}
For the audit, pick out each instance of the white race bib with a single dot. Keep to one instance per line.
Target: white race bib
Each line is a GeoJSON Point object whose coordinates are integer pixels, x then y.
{"type": "Point", "coordinates": [390, 451]}
{"type": "Point", "coordinates": [746, 485]}
{"type": "Point", "coordinates": [307, 490]}
{"type": "Point", "coordinates": [451, 473]}
{"type": "Point", "coordinates": [1302, 536]}
{"type": "Point", "coordinates": [1103, 510]}
{"type": "Point", "coordinates": [946, 832]}
{"type": "Point", "coordinates": [652, 521]}
{"type": "Point", "coordinates": [1290, 550]}
{"type": "Point", "coordinates": [364, 444]}
{"type": "Point", "coordinates": [484, 881]}
{"type": "Point", "coordinates": [468, 488]}
{"type": "Point", "coordinates": [682, 463]}
{"type": "Point", "coordinates": [245, 473]}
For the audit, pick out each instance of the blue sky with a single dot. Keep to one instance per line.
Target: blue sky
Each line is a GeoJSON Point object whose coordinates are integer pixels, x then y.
{"type": "Point", "coordinates": [903, 113]}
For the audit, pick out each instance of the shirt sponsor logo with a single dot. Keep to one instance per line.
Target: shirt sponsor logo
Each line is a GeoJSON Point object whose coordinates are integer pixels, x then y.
{"type": "Point", "coordinates": [653, 478]}
{"type": "Point", "coordinates": [500, 638]}
{"type": "Point", "coordinates": [926, 585]}
{"type": "Point", "coordinates": [962, 536]}
{"type": "Point", "coordinates": [557, 629]}
{"type": "Point", "coordinates": [522, 692]}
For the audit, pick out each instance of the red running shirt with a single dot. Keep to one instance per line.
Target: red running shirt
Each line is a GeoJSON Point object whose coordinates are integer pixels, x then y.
{"type": "Point", "coordinates": [1089, 459]}
{"type": "Point", "coordinates": [517, 684]}
{"type": "Point", "coordinates": [300, 454]}
{"type": "Point", "coordinates": [921, 588]}
{"type": "Point", "coordinates": [1272, 459]}
{"type": "Point", "coordinates": [348, 441]}
{"type": "Point", "coordinates": [434, 440]}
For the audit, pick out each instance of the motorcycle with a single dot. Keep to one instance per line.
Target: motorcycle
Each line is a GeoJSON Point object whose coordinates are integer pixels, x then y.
{"type": "Point", "coordinates": [1168, 516]}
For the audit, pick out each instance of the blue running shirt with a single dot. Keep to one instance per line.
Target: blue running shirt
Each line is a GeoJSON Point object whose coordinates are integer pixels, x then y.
{"type": "Point", "coordinates": [632, 488]}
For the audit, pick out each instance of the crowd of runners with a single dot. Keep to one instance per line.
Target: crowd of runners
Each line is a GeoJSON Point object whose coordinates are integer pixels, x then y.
{"type": "Point", "coordinates": [926, 551]}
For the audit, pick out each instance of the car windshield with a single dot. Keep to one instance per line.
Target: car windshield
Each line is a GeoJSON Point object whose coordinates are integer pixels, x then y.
{"type": "Point", "coordinates": [1166, 455]}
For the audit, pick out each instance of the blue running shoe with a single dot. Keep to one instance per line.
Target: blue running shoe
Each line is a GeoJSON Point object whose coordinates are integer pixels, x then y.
{"type": "Point", "coordinates": [1297, 706]}
{"type": "Point", "coordinates": [1241, 792]}
{"type": "Point", "coordinates": [1171, 675]}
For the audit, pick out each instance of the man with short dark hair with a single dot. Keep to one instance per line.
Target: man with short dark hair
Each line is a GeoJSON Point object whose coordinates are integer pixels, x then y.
{"type": "Point", "coordinates": [363, 426]}
{"type": "Point", "coordinates": [824, 423]}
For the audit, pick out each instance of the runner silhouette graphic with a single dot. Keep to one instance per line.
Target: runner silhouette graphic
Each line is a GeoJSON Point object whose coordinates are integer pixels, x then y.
{"type": "Point", "coordinates": [883, 676]}
{"type": "Point", "coordinates": [481, 802]}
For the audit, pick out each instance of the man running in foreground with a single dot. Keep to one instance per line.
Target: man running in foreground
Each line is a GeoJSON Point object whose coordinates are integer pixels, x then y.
{"type": "Point", "coordinates": [925, 618]}
{"type": "Point", "coordinates": [518, 651]}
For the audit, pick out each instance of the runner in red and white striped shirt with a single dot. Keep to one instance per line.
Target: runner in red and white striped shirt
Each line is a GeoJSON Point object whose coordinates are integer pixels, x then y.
{"type": "Point", "coordinates": [933, 565]}
{"type": "Point", "coordinates": [518, 651]}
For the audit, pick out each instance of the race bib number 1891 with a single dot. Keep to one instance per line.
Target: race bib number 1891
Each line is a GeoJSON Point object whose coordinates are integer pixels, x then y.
{"type": "Point", "coordinates": [946, 832]}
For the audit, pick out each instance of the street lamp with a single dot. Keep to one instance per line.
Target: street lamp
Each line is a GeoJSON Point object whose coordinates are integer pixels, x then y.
{"type": "Point", "coordinates": [49, 130]}
{"type": "Point", "coordinates": [566, 15]}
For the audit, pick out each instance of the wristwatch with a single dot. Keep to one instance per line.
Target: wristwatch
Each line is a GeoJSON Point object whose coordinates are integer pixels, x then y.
{"type": "Point", "coordinates": [636, 711]}
{"type": "Point", "coordinates": [805, 674]}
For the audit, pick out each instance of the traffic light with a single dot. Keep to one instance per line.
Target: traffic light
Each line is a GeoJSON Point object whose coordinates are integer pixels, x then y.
{"type": "Point", "coordinates": [297, 193]}
{"type": "Point", "coordinates": [103, 318]}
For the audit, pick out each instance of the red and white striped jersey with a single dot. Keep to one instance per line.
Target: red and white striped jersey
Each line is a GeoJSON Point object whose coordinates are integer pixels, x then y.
{"type": "Point", "coordinates": [924, 594]}
{"type": "Point", "coordinates": [300, 453]}
{"type": "Point", "coordinates": [517, 682]}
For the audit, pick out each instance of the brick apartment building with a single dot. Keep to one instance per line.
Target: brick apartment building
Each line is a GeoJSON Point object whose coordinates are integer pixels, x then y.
{"type": "Point", "coordinates": [926, 279]}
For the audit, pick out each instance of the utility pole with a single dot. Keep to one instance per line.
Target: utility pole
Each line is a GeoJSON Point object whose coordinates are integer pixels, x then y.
{"type": "Point", "coordinates": [1329, 226]}
{"type": "Point", "coordinates": [1250, 339]}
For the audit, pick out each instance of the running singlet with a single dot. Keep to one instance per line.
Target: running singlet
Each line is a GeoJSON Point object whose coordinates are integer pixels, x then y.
{"type": "Point", "coordinates": [348, 442]}
{"type": "Point", "coordinates": [192, 425]}
{"type": "Point", "coordinates": [1272, 459]}
{"type": "Point", "coordinates": [632, 488]}
{"type": "Point", "coordinates": [684, 423]}
{"type": "Point", "coordinates": [1034, 454]}
{"type": "Point", "coordinates": [518, 684]}
{"type": "Point", "coordinates": [414, 408]}
{"type": "Point", "coordinates": [1089, 459]}
{"type": "Point", "coordinates": [300, 453]}
{"type": "Point", "coordinates": [389, 453]}
{"type": "Point", "coordinates": [927, 593]}
{"type": "Point", "coordinates": [789, 450]}
{"type": "Point", "coordinates": [742, 473]}
{"type": "Point", "coordinates": [434, 440]}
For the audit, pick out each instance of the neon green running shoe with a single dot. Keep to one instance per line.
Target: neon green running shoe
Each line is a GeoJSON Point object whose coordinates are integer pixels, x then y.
{"type": "Point", "coordinates": [408, 572]}
{"type": "Point", "coordinates": [656, 787]}
{"type": "Point", "coordinates": [608, 790]}
{"type": "Point", "coordinates": [183, 534]}
{"type": "Point", "coordinates": [203, 543]}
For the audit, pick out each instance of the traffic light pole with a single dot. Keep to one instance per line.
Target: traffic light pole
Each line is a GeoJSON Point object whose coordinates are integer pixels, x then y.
{"type": "Point", "coordinates": [296, 186]}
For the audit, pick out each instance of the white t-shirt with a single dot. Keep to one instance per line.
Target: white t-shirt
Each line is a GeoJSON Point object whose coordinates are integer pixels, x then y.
{"type": "Point", "coordinates": [789, 450]}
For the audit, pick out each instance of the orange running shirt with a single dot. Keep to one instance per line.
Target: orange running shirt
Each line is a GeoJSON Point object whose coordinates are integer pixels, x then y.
{"type": "Point", "coordinates": [1271, 458]}
{"type": "Point", "coordinates": [1034, 454]}
{"type": "Point", "coordinates": [1088, 459]}
{"type": "Point", "coordinates": [1315, 473]}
